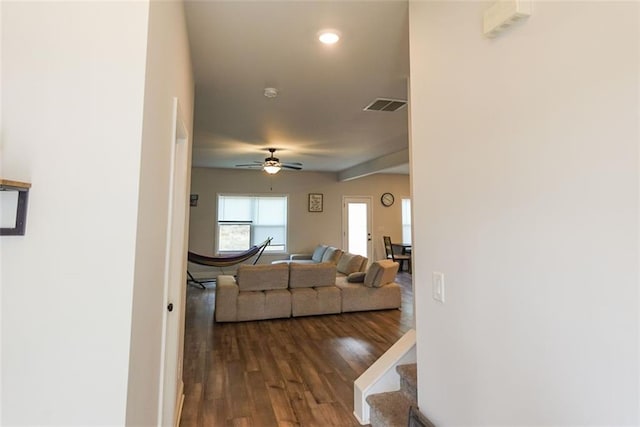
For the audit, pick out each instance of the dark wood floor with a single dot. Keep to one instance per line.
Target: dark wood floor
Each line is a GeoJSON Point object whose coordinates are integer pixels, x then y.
{"type": "Point", "coordinates": [284, 372]}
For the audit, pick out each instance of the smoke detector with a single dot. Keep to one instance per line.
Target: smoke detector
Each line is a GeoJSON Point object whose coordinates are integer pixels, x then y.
{"type": "Point", "coordinates": [270, 92]}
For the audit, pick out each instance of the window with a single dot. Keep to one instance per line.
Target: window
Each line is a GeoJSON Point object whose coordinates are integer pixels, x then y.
{"type": "Point", "coordinates": [245, 221]}
{"type": "Point", "coordinates": [406, 220]}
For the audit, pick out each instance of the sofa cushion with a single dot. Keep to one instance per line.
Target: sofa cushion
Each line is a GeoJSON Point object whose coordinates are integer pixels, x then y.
{"type": "Point", "coordinates": [357, 277]}
{"type": "Point", "coordinates": [349, 263]}
{"type": "Point", "coordinates": [380, 273]}
{"type": "Point", "coordinates": [363, 266]}
{"type": "Point", "coordinates": [312, 301]}
{"type": "Point", "coordinates": [226, 297]}
{"type": "Point", "coordinates": [264, 305]}
{"type": "Point", "coordinates": [332, 255]}
{"type": "Point", "coordinates": [262, 277]}
{"type": "Point", "coordinates": [312, 275]}
{"type": "Point", "coordinates": [293, 261]}
{"type": "Point", "coordinates": [317, 254]}
{"type": "Point", "coordinates": [357, 297]}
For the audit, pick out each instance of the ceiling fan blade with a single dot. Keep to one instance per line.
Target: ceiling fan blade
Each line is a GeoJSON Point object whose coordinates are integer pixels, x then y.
{"type": "Point", "coordinates": [292, 167]}
{"type": "Point", "coordinates": [293, 163]}
{"type": "Point", "coordinates": [250, 165]}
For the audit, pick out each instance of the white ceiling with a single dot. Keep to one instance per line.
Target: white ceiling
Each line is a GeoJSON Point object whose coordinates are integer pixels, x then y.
{"type": "Point", "coordinates": [238, 48]}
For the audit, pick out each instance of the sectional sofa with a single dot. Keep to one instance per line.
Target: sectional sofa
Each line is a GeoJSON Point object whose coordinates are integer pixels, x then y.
{"type": "Point", "coordinates": [322, 253]}
{"type": "Point", "coordinates": [286, 289]}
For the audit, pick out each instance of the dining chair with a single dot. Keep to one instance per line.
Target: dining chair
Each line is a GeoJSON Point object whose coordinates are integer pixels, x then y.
{"type": "Point", "coordinates": [399, 258]}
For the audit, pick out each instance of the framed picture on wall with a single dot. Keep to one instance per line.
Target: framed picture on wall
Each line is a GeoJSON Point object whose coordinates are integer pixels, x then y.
{"type": "Point", "coordinates": [315, 202]}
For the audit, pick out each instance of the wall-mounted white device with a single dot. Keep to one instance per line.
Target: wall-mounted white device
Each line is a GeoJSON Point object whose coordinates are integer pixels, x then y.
{"type": "Point", "coordinates": [502, 14]}
{"type": "Point", "coordinates": [438, 286]}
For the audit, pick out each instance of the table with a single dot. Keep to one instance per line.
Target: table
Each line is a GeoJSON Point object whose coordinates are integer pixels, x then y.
{"type": "Point", "coordinates": [404, 247]}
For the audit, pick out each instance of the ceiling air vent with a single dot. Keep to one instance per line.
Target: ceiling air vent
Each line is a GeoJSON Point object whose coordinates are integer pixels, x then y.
{"type": "Point", "coordinates": [384, 104]}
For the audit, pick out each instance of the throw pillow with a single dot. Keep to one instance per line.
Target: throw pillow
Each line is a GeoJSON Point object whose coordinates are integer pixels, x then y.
{"type": "Point", "coordinates": [349, 263]}
{"type": "Point", "coordinates": [372, 273]}
{"type": "Point", "coordinates": [332, 255]}
{"type": "Point", "coordinates": [317, 254]}
{"type": "Point", "coordinates": [380, 273]}
{"type": "Point", "coordinates": [389, 271]}
{"type": "Point", "coordinates": [357, 277]}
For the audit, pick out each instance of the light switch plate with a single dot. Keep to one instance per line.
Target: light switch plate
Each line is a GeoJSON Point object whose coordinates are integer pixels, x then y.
{"type": "Point", "coordinates": [438, 286]}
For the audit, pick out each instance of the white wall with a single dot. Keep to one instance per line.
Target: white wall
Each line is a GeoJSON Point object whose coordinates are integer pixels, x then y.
{"type": "Point", "coordinates": [73, 89]}
{"type": "Point", "coordinates": [525, 163]}
{"type": "Point", "coordinates": [168, 75]}
{"type": "Point", "coordinates": [306, 229]}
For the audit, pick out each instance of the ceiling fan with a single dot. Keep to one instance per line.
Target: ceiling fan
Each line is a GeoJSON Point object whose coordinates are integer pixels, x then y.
{"type": "Point", "coordinates": [271, 164]}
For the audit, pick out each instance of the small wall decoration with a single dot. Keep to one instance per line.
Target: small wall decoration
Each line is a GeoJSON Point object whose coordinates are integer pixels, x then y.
{"type": "Point", "coordinates": [315, 202]}
{"type": "Point", "coordinates": [387, 199]}
{"type": "Point", "coordinates": [13, 207]}
{"type": "Point", "coordinates": [193, 200]}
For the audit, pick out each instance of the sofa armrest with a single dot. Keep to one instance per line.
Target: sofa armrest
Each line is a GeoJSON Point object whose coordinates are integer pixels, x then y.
{"type": "Point", "coordinates": [299, 256]}
{"type": "Point", "coordinates": [226, 299]}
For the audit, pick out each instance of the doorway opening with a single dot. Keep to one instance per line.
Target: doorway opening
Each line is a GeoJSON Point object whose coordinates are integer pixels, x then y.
{"type": "Point", "coordinates": [356, 225]}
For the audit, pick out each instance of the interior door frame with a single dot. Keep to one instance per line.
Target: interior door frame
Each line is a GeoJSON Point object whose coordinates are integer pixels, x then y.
{"type": "Point", "coordinates": [345, 222]}
{"type": "Point", "coordinates": [171, 386]}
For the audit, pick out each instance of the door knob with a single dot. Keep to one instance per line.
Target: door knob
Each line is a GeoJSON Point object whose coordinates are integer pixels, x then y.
{"type": "Point", "coordinates": [170, 306]}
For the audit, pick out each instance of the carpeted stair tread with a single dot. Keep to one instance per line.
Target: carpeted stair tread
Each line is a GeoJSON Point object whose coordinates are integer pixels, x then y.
{"type": "Point", "coordinates": [409, 373]}
{"type": "Point", "coordinates": [409, 380]}
{"type": "Point", "coordinates": [390, 409]}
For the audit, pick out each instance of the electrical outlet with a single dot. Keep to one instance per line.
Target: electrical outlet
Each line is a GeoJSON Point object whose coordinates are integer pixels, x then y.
{"type": "Point", "coordinates": [438, 286]}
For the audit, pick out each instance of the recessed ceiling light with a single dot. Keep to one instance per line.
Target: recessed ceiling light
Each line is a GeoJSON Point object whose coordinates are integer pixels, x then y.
{"type": "Point", "coordinates": [270, 92]}
{"type": "Point", "coordinates": [328, 36]}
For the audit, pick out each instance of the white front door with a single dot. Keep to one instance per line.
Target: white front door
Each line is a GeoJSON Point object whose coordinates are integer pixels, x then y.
{"type": "Point", "coordinates": [171, 395]}
{"type": "Point", "coordinates": [356, 225]}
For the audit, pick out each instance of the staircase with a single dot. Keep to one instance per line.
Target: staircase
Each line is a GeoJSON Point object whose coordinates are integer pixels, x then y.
{"type": "Point", "coordinates": [391, 409]}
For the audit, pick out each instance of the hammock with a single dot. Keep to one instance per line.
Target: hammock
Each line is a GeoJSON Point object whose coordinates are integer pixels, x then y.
{"type": "Point", "coordinates": [225, 261]}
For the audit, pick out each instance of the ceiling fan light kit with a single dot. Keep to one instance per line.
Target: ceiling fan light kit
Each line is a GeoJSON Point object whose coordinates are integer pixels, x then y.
{"type": "Point", "coordinates": [272, 164]}
{"type": "Point", "coordinates": [328, 36]}
{"type": "Point", "coordinates": [272, 167]}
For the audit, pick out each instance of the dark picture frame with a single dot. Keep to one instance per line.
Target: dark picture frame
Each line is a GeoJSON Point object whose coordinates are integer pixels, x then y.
{"type": "Point", "coordinates": [315, 202]}
{"type": "Point", "coordinates": [22, 188]}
